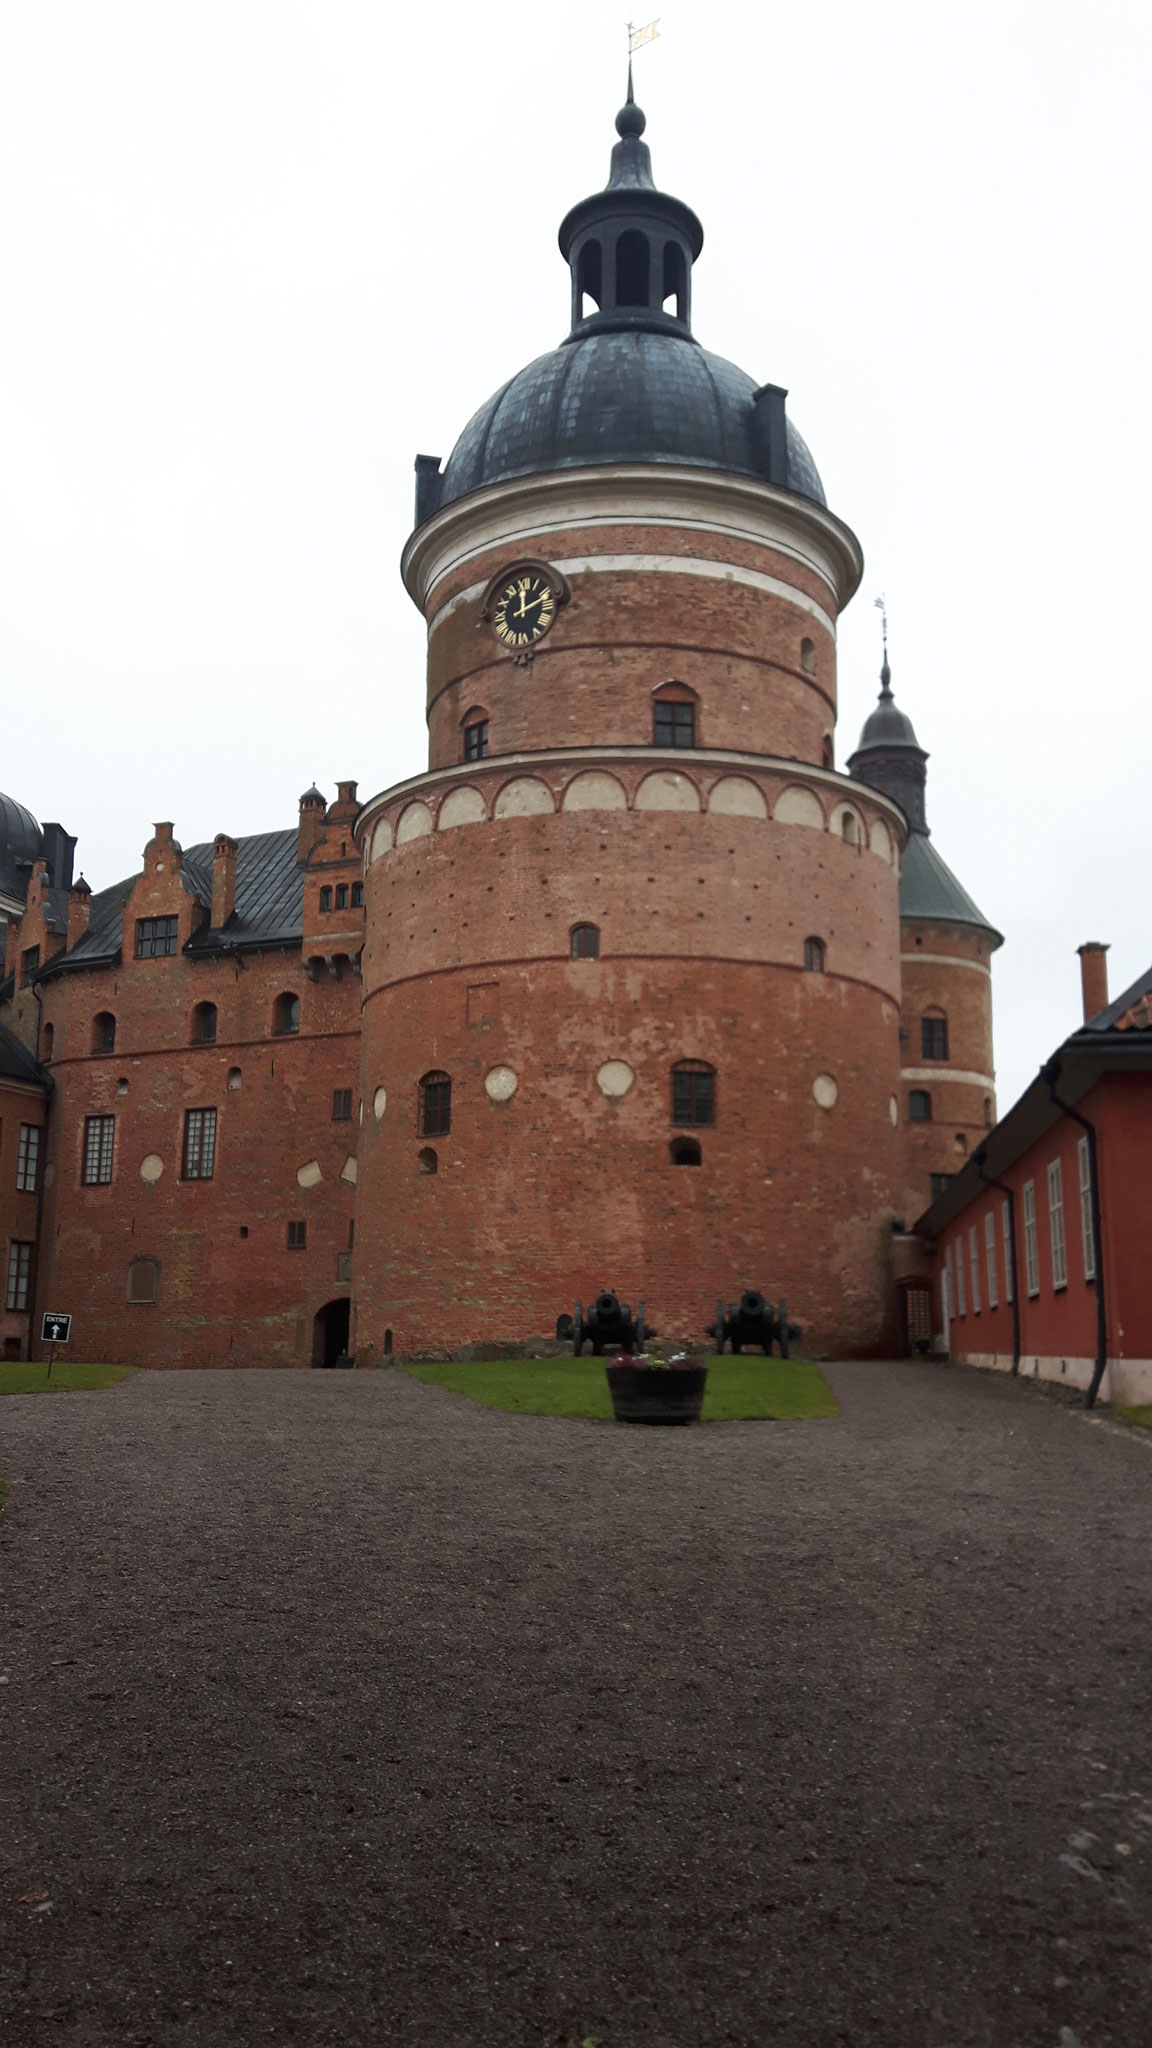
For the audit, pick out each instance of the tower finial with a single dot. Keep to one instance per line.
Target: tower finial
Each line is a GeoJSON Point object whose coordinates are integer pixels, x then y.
{"type": "Point", "coordinates": [885, 671]}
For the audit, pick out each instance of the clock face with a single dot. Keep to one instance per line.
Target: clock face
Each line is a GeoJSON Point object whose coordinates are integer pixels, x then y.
{"type": "Point", "coordinates": [524, 609]}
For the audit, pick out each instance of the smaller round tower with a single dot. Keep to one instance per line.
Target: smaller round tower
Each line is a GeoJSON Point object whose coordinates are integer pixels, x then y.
{"type": "Point", "coordinates": [946, 946]}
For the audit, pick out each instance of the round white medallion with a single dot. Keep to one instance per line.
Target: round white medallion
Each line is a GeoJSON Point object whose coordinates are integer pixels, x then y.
{"type": "Point", "coordinates": [379, 1103]}
{"type": "Point", "coordinates": [615, 1079]}
{"type": "Point", "coordinates": [500, 1084]}
{"type": "Point", "coordinates": [825, 1090]}
{"type": "Point", "coordinates": [151, 1167]}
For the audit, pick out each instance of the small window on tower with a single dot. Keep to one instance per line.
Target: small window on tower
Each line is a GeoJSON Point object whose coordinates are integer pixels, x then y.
{"type": "Point", "coordinates": [633, 269]}
{"type": "Point", "coordinates": [585, 942]}
{"type": "Point", "coordinates": [814, 956]}
{"type": "Point", "coordinates": [476, 740]}
{"type": "Point", "coordinates": [934, 1036]}
{"type": "Point", "coordinates": [341, 1105]}
{"type": "Point", "coordinates": [357, 895]}
{"type": "Point", "coordinates": [435, 1105]}
{"type": "Point", "coordinates": [286, 1015]}
{"type": "Point", "coordinates": [808, 657]}
{"type": "Point", "coordinates": [685, 1152]}
{"type": "Point", "coordinates": [675, 299]}
{"type": "Point", "coordinates": [204, 1024]}
{"type": "Point", "coordinates": [104, 1032]}
{"type": "Point", "coordinates": [919, 1106]}
{"type": "Point", "coordinates": [673, 723]}
{"type": "Point", "coordinates": [693, 1093]}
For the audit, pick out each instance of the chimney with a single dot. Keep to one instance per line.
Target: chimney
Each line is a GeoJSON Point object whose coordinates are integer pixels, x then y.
{"type": "Point", "coordinates": [79, 909]}
{"type": "Point", "coordinates": [1093, 978]}
{"type": "Point", "coordinates": [223, 880]}
{"type": "Point", "coordinates": [312, 812]}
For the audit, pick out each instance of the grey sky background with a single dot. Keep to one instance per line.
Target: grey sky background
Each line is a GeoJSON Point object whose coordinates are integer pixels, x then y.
{"type": "Point", "coordinates": [257, 253]}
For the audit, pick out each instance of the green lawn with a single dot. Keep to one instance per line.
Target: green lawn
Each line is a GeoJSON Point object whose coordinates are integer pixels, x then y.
{"type": "Point", "coordinates": [1141, 1415]}
{"type": "Point", "coordinates": [67, 1377]}
{"type": "Point", "coordinates": [739, 1389]}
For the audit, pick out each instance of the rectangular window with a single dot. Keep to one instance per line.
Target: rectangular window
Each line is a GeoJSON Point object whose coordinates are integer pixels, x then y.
{"type": "Point", "coordinates": [1031, 1253]}
{"type": "Point", "coordinates": [155, 937]}
{"type": "Point", "coordinates": [990, 1260]}
{"type": "Point", "coordinates": [1006, 1232]}
{"type": "Point", "coordinates": [476, 740]}
{"type": "Point", "coordinates": [19, 1267]}
{"type": "Point", "coordinates": [199, 1144]}
{"type": "Point", "coordinates": [1087, 1234]}
{"type": "Point", "coordinates": [674, 725]}
{"type": "Point", "coordinates": [948, 1284]}
{"type": "Point", "coordinates": [341, 1105]}
{"type": "Point", "coordinates": [357, 895]}
{"type": "Point", "coordinates": [435, 1106]}
{"type": "Point", "coordinates": [297, 1237]}
{"type": "Point", "coordinates": [934, 1038]}
{"type": "Point", "coordinates": [1056, 1224]}
{"type": "Point", "coordinates": [29, 962]}
{"type": "Point", "coordinates": [937, 1183]}
{"type": "Point", "coordinates": [693, 1095]}
{"type": "Point", "coordinates": [342, 896]}
{"type": "Point", "coordinates": [99, 1141]}
{"type": "Point", "coordinates": [28, 1158]}
{"type": "Point", "coordinates": [974, 1264]}
{"type": "Point", "coordinates": [961, 1300]}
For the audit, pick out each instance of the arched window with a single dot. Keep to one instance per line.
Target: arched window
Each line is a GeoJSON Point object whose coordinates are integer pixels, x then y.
{"type": "Point", "coordinates": [585, 942]}
{"type": "Point", "coordinates": [204, 1024]}
{"type": "Point", "coordinates": [427, 1161]}
{"type": "Point", "coordinates": [934, 1035]}
{"type": "Point", "coordinates": [143, 1281]}
{"type": "Point", "coordinates": [827, 754]}
{"type": "Point", "coordinates": [808, 657]}
{"type": "Point", "coordinates": [47, 1040]}
{"type": "Point", "coordinates": [235, 1079]}
{"type": "Point", "coordinates": [342, 896]}
{"type": "Point", "coordinates": [325, 899]}
{"type": "Point", "coordinates": [589, 279]}
{"type": "Point", "coordinates": [633, 269]}
{"type": "Point", "coordinates": [988, 1117]}
{"type": "Point", "coordinates": [286, 1015]}
{"type": "Point", "coordinates": [475, 725]}
{"type": "Point", "coordinates": [435, 1107]}
{"type": "Point", "coordinates": [919, 1106]}
{"type": "Point", "coordinates": [674, 716]}
{"type": "Point", "coordinates": [357, 895]}
{"type": "Point", "coordinates": [675, 294]}
{"type": "Point", "coordinates": [693, 1093]}
{"type": "Point", "coordinates": [850, 828]}
{"type": "Point", "coordinates": [104, 1032]}
{"type": "Point", "coordinates": [685, 1152]}
{"type": "Point", "coordinates": [814, 956]}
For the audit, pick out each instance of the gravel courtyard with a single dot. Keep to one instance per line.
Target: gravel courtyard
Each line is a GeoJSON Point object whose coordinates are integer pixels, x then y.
{"type": "Point", "coordinates": [340, 1710]}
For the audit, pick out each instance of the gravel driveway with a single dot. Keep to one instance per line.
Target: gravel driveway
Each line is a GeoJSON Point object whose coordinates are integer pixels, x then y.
{"type": "Point", "coordinates": [341, 1710]}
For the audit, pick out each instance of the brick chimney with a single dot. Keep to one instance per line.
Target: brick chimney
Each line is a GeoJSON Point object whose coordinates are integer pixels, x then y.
{"type": "Point", "coordinates": [79, 909]}
{"type": "Point", "coordinates": [223, 879]}
{"type": "Point", "coordinates": [1093, 978]}
{"type": "Point", "coordinates": [312, 813]}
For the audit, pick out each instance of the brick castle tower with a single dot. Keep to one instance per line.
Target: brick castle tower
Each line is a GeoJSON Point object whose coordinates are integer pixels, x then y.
{"type": "Point", "coordinates": [631, 977]}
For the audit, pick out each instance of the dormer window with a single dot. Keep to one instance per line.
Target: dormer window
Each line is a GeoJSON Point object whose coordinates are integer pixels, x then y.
{"type": "Point", "coordinates": [156, 937]}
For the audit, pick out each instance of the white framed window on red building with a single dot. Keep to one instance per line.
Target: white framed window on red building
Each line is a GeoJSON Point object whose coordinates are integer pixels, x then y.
{"type": "Point", "coordinates": [1087, 1234]}
{"type": "Point", "coordinates": [961, 1297]}
{"type": "Point", "coordinates": [1056, 1224]}
{"type": "Point", "coordinates": [990, 1259]}
{"type": "Point", "coordinates": [974, 1266]}
{"type": "Point", "coordinates": [1006, 1227]}
{"type": "Point", "coordinates": [948, 1311]}
{"type": "Point", "coordinates": [1031, 1250]}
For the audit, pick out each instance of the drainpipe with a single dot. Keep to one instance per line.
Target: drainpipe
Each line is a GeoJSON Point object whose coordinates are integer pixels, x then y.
{"type": "Point", "coordinates": [1051, 1075]}
{"type": "Point", "coordinates": [979, 1157]}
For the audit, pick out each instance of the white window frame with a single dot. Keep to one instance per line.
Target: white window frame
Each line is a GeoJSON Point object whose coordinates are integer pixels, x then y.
{"type": "Point", "coordinates": [28, 1159]}
{"type": "Point", "coordinates": [1031, 1251]}
{"type": "Point", "coordinates": [961, 1297]}
{"type": "Point", "coordinates": [1006, 1232]}
{"type": "Point", "coordinates": [974, 1266]}
{"type": "Point", "coordinates": [990, 1259]}
{"type": "Point", "coordinates": [1087, 1233]}
{"type": "Point", "coordinates": [949, 1312]}
{"type": "Point", "coordinates": [19, 1277]}
{"type": "Point", "coordinates": [1056, 1224]}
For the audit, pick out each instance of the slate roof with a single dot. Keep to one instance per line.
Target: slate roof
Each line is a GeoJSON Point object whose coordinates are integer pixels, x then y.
{"type": "Point", "coordinates": [928, 888]}
{"type": "Point", "coordinates": [1112, 1013]}
{"type": "Point", "coordinates": [17, 1063]}
{"type": "Point", "coordinates": [20, 842]}
{"type": "Point", "coordinates": [269, 905]}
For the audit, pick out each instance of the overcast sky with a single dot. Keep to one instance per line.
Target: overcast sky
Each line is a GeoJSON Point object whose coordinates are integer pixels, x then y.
{"type": "Point", "coordinates": [257, 253]}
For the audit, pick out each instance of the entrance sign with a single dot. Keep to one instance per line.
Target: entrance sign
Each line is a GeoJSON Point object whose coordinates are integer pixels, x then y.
{"type": "Point", "coordinates": [55, 1328]}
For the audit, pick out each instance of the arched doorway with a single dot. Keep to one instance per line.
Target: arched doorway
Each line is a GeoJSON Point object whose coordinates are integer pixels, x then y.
{"type": "Point", "coordinates": [330, 1331]}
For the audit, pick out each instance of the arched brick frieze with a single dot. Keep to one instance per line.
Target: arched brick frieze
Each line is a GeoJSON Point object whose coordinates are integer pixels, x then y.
{"type": "Point", "coordinates": [463, 806]}
{"type": "Point", "coordinates": [595, 790]}
{"type": "Point", "coordinates": [736, 796]}
{"type": "Point", "coordinates": [415, 823]}
{"type": "Point", "coordinates": [524, 797]}
{"type": "Point", "coordinates": [798, 805]}
{"type": "Point", "coordinates": [665, 790]}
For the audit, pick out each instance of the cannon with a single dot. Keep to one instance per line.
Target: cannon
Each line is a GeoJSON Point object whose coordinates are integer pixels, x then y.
{"type": "Point", "coordinates": [753, 1320]}
{"type": "Point", "coordinates": [608, 1325]}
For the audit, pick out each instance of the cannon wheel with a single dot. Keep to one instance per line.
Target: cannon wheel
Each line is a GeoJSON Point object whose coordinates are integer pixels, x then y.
{"type": "Point", "coordinates": [720, 1328]}
{"type": "Point", "coordinates": [578, 1332]}
{"type": "Point", "coordinates": [782, 1312]}
{"type": "Point", "coordinates": [640, 1332]}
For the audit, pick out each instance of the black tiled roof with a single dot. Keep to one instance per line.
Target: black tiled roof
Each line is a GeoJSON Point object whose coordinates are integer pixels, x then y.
{"type": "Point", "coordinates": [16, 1062]}
{"type": "Point", "coordinates": [269, 904]}
{"type": "Point", "coordinates": [928, 888]}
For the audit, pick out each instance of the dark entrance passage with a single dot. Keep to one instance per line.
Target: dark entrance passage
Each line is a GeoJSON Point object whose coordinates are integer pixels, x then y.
{"type": "Point", "coordinates": [330, 1332]}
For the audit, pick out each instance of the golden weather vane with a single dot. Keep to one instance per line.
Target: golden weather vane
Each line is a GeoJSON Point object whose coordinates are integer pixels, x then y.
{"type": "Point", "coordinates": [637, 37]}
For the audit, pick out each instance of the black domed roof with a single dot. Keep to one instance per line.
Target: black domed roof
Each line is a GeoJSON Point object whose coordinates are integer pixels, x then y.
{"type": "Point", "coordinates": [20, 842]}
{"type": "Point", "coordinates": [887, 726]}
{"type": "Point", "coordinates": [636, 396]}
